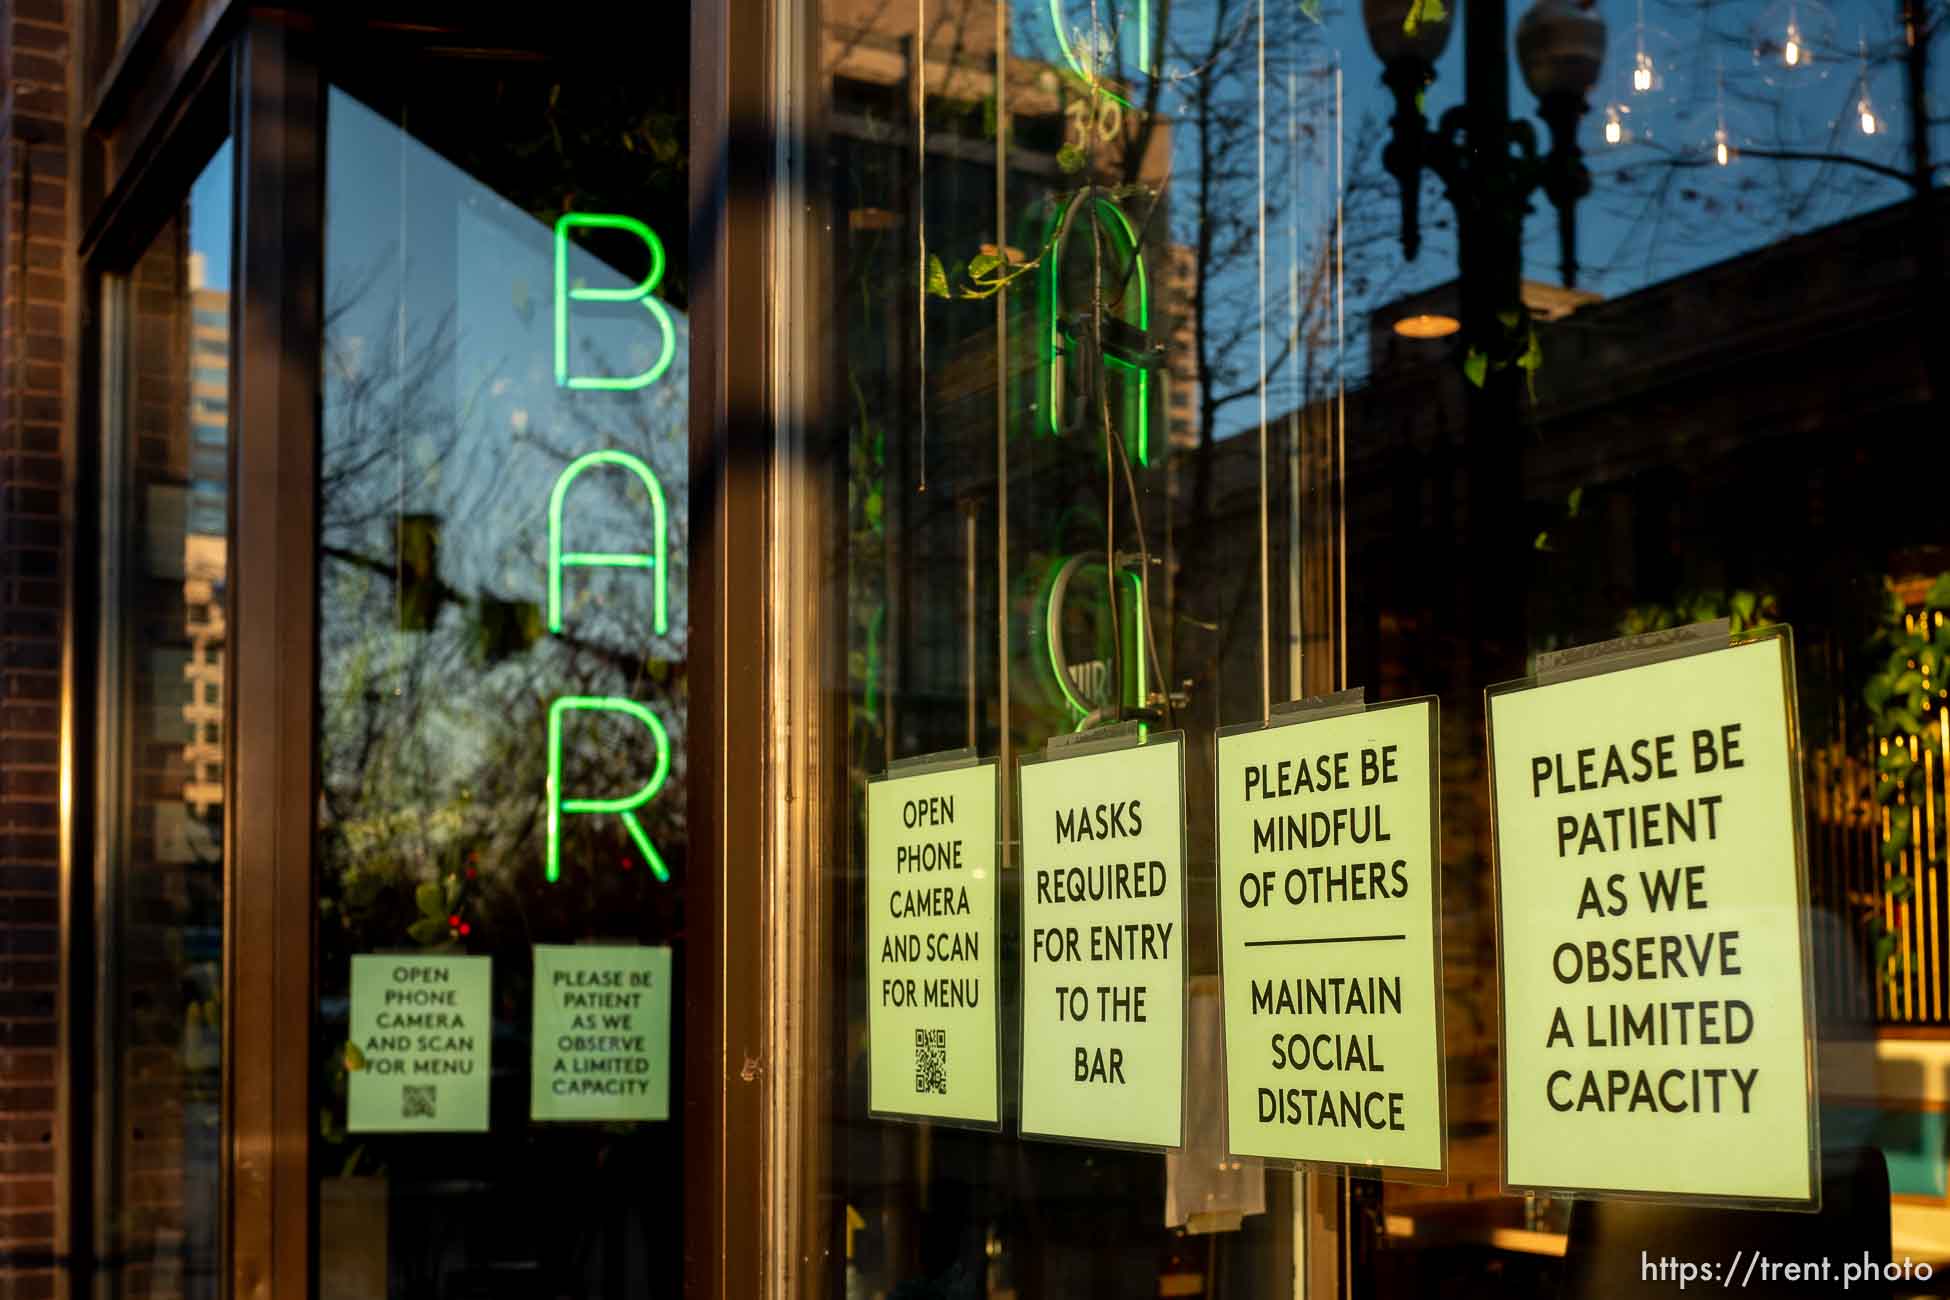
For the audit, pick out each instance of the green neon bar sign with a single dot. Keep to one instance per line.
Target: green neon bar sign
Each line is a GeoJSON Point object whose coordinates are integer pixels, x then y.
{"type": "Point", "coordinates": [1137, 395]}
{"type": "Point", "coordinates": [1144, 61]}
{"type": "Point", "coordinates": [624, 807]}
{"type": "Point", "coordinates": [654, 559]}
{"type": "Point", "coordinates": [567, 293]}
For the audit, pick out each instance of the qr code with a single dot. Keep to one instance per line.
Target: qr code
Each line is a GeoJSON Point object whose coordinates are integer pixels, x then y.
{"type": "Point", "coordinates": [931, 1061]}
{"type": "Point", "coordinates": [418, 1102]}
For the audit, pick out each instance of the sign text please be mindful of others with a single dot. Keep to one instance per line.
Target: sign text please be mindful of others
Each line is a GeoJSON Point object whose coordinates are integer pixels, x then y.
{"type": "Point", "coordinates": [1651, 947]}
{"type": "Point", "coordinates": [1328, 900]}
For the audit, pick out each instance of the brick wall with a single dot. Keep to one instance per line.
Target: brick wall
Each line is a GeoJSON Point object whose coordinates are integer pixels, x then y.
{"type": "Point", "coordinates": [34, 249]}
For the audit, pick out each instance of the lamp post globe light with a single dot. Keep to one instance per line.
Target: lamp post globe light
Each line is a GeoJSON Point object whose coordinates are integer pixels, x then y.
{"type": "Point", "coordinates": [1489, 164]}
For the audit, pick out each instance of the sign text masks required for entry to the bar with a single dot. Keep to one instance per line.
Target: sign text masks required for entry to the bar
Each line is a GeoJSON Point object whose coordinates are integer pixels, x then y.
{"type": "Point", "coordinates": [1103, 945]}
{"type": "Point", "coordinates": [932, 950]}
{"type": "Point", "coordinates": [1655, 1025]}
{"type": "Point", "coordinates": [1327, 881]}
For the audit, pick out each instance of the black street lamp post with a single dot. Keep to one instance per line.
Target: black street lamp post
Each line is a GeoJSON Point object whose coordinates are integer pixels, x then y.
{"type": "Point", "coordinates": [1490, 167]}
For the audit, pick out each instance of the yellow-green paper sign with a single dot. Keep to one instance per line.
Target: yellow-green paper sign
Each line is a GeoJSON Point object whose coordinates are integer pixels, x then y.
{"type": "Point", "coordinates": [1655, 1022]}
{"type": "Point", "coordinates": [421, 1026]}
{"type": "Point", "coordinates": [1328, 904]}
{"type": "Point", "coordinates": [601, 1043]}
{"type": "Point", "coordinates": [932, 996]}
{"type": "Point", "coordinates": [1103, 945]}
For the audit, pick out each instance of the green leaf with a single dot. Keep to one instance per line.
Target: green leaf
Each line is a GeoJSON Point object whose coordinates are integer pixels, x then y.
{"type": "Point", "coordinates": [430, 900]}
{"type": "Point", "coordinates": [1476, 366]}
{"type": "Point", "coordinates": [1574, 502]}
{"type": "Point", "coordinates": [427, 932]}
{"type": "Point", "coordinates": [1422, 101]}
{"type": "Point", "coordinates": [1877, 692]}
{"type": "Point", "coordinates": [1885, 948]}
{"type": "Point", "coordinates": [1542, 542]}
{"type": "Point", "coordinates": [1898, 887]}
{"type": "Point", "coordinates": [1743, 604]}
{"type": "Point", "coordinates": [937, 278]}
{"type": "Point", "coordinates": [1939, 593]}
{"type": "Point", "coordinates": [1530, 362]}
{"type": "Point", "coordinates": [1423, 11]}
{"type": "Point", "coordinates": [354, 1058]}
{"type": "Point", "coordinates": [1508, 320]}
{"type": "Point", "coordinates": [1071, 158]}
{"type": "Point", "coordinates": [982, 264]}
{"type": "Point", "coordinates": [1311, 8]}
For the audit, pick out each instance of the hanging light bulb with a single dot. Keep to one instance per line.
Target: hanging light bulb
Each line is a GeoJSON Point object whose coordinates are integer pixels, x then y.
{"type": "Point", "coordinates": [1721, 153]}
{"type": "Point", "coordinates": [1865, 112]}
{"type": "Point", "coordinates": [1789, 40]}
{"type": "Point", "coordinates": [1614, 129]}
{"type": "Point", "coordinates": [1642, 73]}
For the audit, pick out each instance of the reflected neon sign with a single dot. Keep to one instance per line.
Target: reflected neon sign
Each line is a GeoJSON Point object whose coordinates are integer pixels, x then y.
{"type": "Point", "coordinates": [1130, 358]}
{"type": "Point", "coordinates": [1145, 62]}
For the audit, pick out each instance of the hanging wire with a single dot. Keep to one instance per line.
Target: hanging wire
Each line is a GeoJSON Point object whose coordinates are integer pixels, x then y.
{"type": "Point", "coordinates": [919, 70]}
{"type": "Point", "coordinates": [1265, 565]}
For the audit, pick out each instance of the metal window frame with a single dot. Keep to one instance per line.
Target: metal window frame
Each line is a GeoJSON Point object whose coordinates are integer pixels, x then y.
{"type": "Point", "coordinates": [767, 766]}
{"type": "Point", "coordinates": [761, 1035]}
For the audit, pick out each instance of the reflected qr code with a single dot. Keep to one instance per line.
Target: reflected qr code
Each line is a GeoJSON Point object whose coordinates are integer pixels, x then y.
{"type": "Point", "coordinates": [931, 1061]}
{"type": "Point", "coordinates": [417, 1102]}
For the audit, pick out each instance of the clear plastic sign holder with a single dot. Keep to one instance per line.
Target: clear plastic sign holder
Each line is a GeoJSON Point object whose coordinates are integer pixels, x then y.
{"type": "Point", "coordinates": [1624, 654]}
{"type": "Point", "coordinates": [1112, 738]}
{"type": "Point", "coordinates": [957, 760]}
{"type": "Point", "coordinates": [1320, 708]}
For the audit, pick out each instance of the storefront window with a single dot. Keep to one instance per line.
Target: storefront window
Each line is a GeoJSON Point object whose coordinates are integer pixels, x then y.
{"type": "Point", "coordinates": [163, 852]}
{"type": "Point", "coordinates": [503, 626]}
{"type": "Point", "coordinates": [1164, 407]}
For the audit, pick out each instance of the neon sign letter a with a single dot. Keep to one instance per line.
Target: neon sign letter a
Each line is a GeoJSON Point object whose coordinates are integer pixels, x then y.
{"type": "Point", "coordinates": [566, 293]}
{"type": "Point", "coordinates": [653, 559]}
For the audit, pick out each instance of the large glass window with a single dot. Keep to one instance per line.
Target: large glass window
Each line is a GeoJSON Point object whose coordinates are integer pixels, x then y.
{"type": "Point", "coordinates": [1165, 404]}
{"type": "Point", "coordinates": [503, 627]}
{"type": "Point", "coordinates": [167, 518]}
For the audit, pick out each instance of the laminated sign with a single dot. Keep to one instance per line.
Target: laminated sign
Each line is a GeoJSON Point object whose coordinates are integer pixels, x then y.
{"type": "Point", "coordinates": [1329, 898]}
{"type": "Point", "coordinates": [1103, 943]}
{"type": "Point", "coordinates": [418, 1052]}
{"type": "Point", "coordinates": [932, 1021]}
{"type": "Point", "coordinates": [1657, 1036]}
{"type": "Point", "coordinates": [601, 1040]}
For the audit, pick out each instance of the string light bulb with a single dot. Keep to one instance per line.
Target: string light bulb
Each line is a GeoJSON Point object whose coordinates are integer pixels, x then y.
{"type": "Point", "coordinates": [1791, 51]}
{"type": "Point", "coordinates": [1865, 112]}
{"type": "Point", "coordinates": [1614, 129]}
{"type": "Point", "coordinates": [1642, 73]}
{"type": "Point", "coordinates": [1721, 153]}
